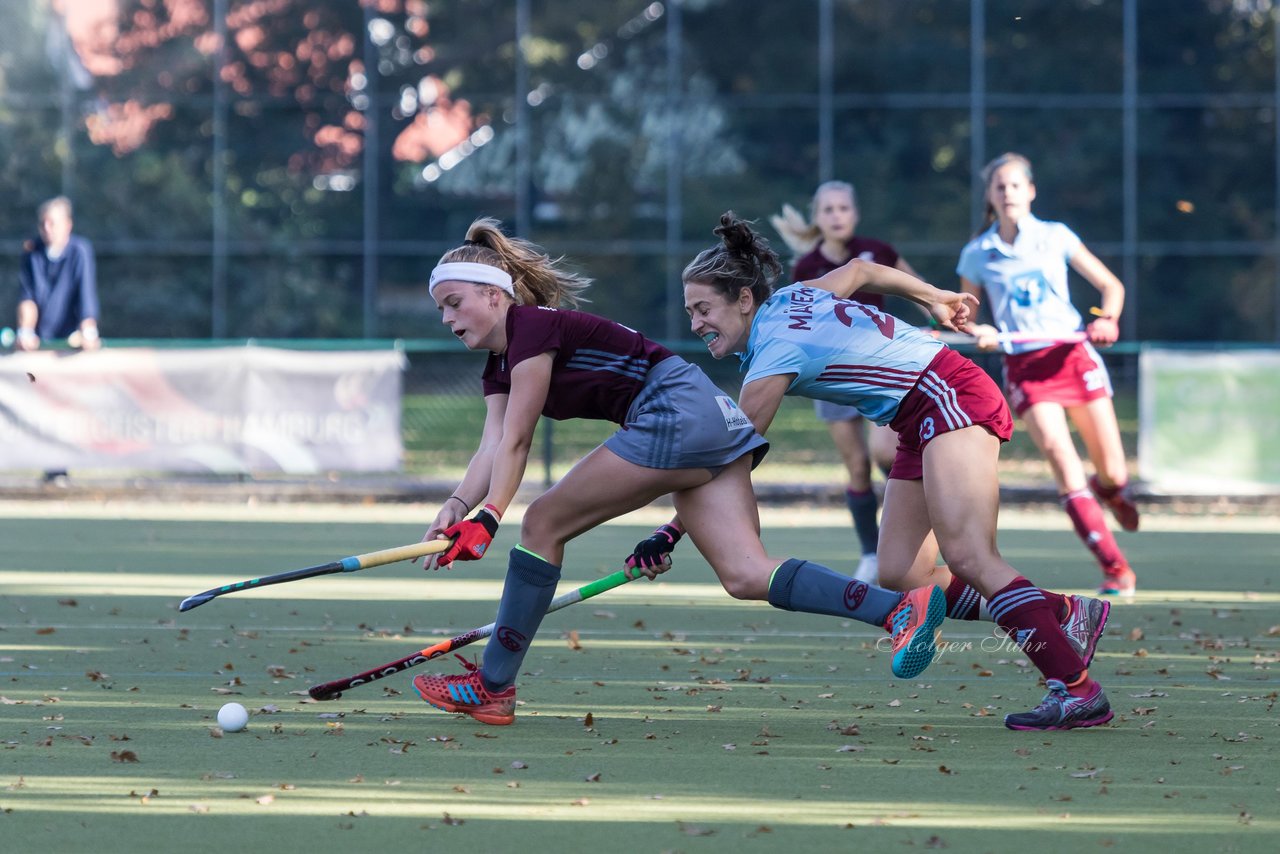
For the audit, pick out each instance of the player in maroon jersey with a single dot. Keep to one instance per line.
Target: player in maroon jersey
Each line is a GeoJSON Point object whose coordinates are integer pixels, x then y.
{"type": "Point", "coordinates": [679, 435]}
{"type": "Point", "coordinates": [827, 241]}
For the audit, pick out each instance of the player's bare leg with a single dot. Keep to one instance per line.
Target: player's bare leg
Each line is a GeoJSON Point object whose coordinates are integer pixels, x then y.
{"type": "Point", "coordinates": [1096, 422]}
{"type": "Point", "coordinates": [963, 495]}
{"type": "Point", "coordinates": [1047, 424]}
{"type": "Point", "coordinates": [600, 487]}
{"type": "Point", "coordinates": [722, 520]}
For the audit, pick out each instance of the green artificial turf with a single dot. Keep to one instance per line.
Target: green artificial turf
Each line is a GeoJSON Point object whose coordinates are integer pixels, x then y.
{"type": "Point", "coordinates": [657, 717]}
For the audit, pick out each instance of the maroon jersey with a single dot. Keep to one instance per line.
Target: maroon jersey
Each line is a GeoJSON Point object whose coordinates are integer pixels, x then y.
{"type": "Point", "coordinates": [598, 369]}
{"type": "Point", "coordinates": [815, 264]}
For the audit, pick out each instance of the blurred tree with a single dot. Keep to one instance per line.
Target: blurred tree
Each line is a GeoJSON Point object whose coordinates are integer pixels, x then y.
{"type": "Point", "coordinates": [118, 101]}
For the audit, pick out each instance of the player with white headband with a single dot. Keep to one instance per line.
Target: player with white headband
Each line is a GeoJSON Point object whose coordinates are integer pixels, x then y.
{"type": "Point", "coordinates": [678, 434]}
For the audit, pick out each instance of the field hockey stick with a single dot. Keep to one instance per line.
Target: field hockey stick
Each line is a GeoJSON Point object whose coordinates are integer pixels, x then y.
{"type": "Point", "coordinates": [1014, 338]}
{"type": "Point", "coordinates": [347, 564]}
{"type": "Point", "coordinates": [333, 690]}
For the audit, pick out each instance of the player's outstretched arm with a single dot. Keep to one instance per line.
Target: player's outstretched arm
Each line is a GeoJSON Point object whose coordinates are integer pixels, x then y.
{"type": "Point", "coordinates": [1105, 329]}
{"type": "Point", "coordinates": [949, 308]}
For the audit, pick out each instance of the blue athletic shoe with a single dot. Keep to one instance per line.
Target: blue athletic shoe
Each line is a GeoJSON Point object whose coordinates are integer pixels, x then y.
{"type": "Point", "coordinates": [1062, 710]}
{"type": "Point", "coordinates": [914, 625]}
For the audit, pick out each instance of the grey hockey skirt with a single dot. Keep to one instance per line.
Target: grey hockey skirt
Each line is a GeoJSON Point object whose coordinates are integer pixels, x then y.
{"type": "Point", "coordinates": [681, 420]}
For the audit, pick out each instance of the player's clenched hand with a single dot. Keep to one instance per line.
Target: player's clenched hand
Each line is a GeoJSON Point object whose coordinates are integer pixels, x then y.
{"type": "Point", "coordinates": [471, 537]}
{"type": "Point", "coordinates": [986, 336]}
{"type": "Point", "coordinates": [1103, 331]}
{"type": "Point", "coordinates": [451, 513]}
{"type": "Point", "coordinates": [652, 555]}
{"type": "Point", "coordinates": [953, 309]}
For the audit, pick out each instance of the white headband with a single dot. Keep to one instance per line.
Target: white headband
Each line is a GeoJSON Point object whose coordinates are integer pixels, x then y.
{"type": "Point", "coordinates": [467, 271]}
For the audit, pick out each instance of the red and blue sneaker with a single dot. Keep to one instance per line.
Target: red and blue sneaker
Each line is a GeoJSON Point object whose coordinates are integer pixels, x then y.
{"type": "Point", "coordinates": [1118, 580]}
{"type": "Point", "coordinates": [914, 626]}
{"type": "Point", "coordinates": [466, 694]}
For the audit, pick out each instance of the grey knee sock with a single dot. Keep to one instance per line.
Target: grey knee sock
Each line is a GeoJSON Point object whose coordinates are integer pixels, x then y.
{"type": "Point", "coordinates": [530, 586]}
{"type": "Point", "coordinates": [798, 585]}
{"type": "Point", "coordinates": [862, 507]}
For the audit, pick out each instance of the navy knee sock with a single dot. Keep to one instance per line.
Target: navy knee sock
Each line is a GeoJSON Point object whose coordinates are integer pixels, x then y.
{"type": "Point", "coordinates": [798, 585]}
{"type": "Point", "coordinates": [529, 588]}
{"type": "Point", "coordinates": [862, 506]}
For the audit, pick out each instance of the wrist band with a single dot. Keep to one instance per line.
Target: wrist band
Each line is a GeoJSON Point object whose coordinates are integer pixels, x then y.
{"type": "Point", "coordinates": [494, 512]}
{"type": "Point", "coordinates": [460, 501]}
{"type": "Point", "coordinates": [24, 332]}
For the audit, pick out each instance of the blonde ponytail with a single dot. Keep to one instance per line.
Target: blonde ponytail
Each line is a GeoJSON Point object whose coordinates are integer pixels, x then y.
{"type": "Point", "coordinates": [536, 277]}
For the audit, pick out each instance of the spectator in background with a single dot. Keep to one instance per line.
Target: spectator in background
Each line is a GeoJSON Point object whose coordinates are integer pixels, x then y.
{"type": "Point", "coordinates": [59, 290]}
{"type": "Point", "coordinates": [824, 243]}
{"type": "Point", "coordinates": [1021, 262]}
{"type": "Point", "coordinates": [59, 283]}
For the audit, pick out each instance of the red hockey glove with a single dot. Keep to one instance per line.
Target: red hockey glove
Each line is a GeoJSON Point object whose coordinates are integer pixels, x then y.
{"type": "Point", "coordinates": [471, 537]}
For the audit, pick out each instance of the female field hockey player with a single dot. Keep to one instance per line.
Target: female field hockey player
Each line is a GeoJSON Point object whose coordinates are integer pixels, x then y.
{"type": "Point", "coordinates": [825, 242]}
{"type": "Point", "coordinates": [678, 435]}
{"type": "Point", "coordinates": [1021, 262]}
{"type": "Point", "coordinates": [810, 339]}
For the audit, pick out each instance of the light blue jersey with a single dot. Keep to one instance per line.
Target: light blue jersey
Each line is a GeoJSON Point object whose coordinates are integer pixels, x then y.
{"type": "Point", "coordinates": [840, 350]}
{"type": "Point", "coordinates": [1026, 283]}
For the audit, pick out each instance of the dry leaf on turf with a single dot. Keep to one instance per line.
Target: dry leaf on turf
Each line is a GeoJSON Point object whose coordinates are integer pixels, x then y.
{"type": "Point", "coordinates": [693, 829]}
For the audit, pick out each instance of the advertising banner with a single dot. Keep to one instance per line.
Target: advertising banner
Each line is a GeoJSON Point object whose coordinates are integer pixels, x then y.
{"type": "Point", "coordinates": [221, 410]}
{"type": "Point", "coordinates": [1209, 422]}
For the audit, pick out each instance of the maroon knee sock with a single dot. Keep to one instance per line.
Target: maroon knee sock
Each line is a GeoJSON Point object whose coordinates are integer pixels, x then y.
{"type": "Point", "coordinates": [1021, 609]}
{"type": "Point", "coordinates": [1091, 527]}
{"type": "Point", "coordinates": [964, 602]}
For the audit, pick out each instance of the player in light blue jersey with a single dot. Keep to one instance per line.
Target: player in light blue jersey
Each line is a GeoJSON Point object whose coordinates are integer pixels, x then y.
{"type": "Point", "coordinates": [810, 339]}
{"type": "Point", "coordinates": [1021, 262]}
